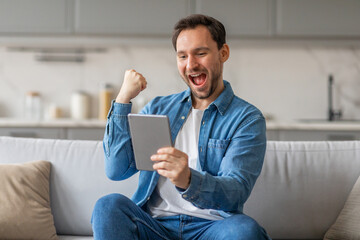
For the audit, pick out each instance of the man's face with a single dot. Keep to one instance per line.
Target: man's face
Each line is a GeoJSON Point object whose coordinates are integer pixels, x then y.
{"type": "Point", "coordinates": [200, 62]}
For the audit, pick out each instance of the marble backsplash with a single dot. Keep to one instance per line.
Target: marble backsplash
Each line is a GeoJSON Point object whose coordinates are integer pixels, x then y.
{"type": "Point", "coordinates": [286, 81]}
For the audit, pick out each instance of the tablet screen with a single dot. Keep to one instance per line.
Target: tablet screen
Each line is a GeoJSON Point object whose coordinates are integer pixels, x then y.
{"type": "Point", "coordinates": [148, 134]}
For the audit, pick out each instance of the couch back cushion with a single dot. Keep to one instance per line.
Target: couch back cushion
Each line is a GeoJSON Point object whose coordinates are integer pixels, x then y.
{"type": "Point", "coordinates": [77, 177]}
{"type": "Point", "coordinates": [299, 194]}
{"type": "Point", "coordinates": [303, 187]}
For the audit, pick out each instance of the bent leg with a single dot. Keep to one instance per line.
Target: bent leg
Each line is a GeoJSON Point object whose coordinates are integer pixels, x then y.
{"type": "Point", "coordinates": [236, 227]}
{"type": "Point", "coordinates": [117, 217]}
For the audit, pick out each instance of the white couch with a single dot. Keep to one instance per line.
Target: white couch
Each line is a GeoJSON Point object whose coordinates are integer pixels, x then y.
{"type": "Point", "coordinates": [300, 192]}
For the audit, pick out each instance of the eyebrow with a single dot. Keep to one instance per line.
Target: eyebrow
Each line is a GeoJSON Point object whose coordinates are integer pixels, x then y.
{"type": "Point", "coordinates": [195, 50]}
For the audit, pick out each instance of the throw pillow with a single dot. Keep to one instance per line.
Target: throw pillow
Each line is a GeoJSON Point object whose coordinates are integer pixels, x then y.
{"type": "Point", "coordinates": [25, 211]}
{"type": "Point", "coordinates": [347, 225]}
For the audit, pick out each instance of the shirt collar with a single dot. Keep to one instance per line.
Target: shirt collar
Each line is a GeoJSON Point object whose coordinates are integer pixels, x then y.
{"type": "Point", "coordinates": [221, 102]}
{"type": "Point", "coordinates": [187, 96]}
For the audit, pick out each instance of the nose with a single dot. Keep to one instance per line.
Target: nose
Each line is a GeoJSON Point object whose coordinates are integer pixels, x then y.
{"type": "Point", "coordinates": [192, 63]}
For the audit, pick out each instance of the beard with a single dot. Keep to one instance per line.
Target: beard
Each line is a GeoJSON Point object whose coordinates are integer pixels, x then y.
{"type": "Point", "coordinates": [213, 82]}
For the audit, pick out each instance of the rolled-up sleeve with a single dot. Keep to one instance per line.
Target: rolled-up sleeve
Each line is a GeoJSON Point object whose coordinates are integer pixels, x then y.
{"type": "Point", "coordinates": [119, 157]}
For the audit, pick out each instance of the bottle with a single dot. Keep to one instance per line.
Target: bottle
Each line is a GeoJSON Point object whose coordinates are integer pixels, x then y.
{"type": "Point", "coordinates": [80, 105]}
{"type": "Point", "coordinates": [105, 97]}
{"type": "Point", "coordinates": [33, 106]}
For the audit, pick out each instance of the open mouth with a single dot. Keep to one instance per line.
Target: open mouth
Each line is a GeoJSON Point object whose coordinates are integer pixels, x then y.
{"type": "Point", "coordinates": [198, 79]}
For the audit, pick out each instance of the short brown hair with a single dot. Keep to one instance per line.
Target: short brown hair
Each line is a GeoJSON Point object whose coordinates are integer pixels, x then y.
{"type": "Point", "coordinates": [216, 28]}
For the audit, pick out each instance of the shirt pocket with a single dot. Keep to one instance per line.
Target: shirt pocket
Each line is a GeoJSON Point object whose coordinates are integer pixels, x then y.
{"type": "Point", "coordinates": [215, 152]}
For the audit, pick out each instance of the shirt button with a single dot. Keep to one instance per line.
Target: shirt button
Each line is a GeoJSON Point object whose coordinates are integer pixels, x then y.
{"type": "Point", "coordinates": [182, 117]}
{"type": "Point", "coordinates": [185, 195]}
{"type": "Point", "coordinates": [200, 149]}
{"type": "Point", "coordinates": [148, 198]}
{"type": "Point", "coordinates": [203, 122]}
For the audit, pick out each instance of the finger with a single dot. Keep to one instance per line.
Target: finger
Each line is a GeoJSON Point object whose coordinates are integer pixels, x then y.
{"type": "Point", "coordinates": [172, 151]}
{"type": "Point", "coordinates": [160, 157]}
{"type": "Point", "coordinates": [165, 173]}
{"type": "Point", "coordinates": [129, 71]}
{"type": "Point", "coordinates": [143, 85]}
{"type": "Point", "coordinates": [168, 150]}
{"type": "Point", "coordinates": [161, 165]}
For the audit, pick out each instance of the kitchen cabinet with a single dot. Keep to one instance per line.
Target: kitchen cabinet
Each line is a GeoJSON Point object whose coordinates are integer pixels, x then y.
{"type": "Point", "coordinates": [312, 135]}
{"type": "Point", "coordinates": [272, 135]}
{"type": "Point", "coordinates": [85, 133]}
{"type": "Point", "coordinates": [134, 17]}
{"type": "Point", "coordinates": [90, 129]}
{"type": "Point", "coordinates": [73, 133]}
{"type": "Point", "coordinates": [318, 18]}
{"type": "Point", "coordinates": [35, 16]}
{"type": "Point", "coordinates": [53, 133]}
{"type": "Point", "coordinates": [241, 17]}
{"type": "Point", "coordinates": [260, 18]}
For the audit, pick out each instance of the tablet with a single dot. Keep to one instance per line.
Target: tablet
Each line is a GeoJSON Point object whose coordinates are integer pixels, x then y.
{"type": "Point", "coordinates": [148, 134]}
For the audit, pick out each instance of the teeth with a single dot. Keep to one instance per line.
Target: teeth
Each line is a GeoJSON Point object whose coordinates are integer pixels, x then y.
{"type": "Point", "coordinates": [195, 75]}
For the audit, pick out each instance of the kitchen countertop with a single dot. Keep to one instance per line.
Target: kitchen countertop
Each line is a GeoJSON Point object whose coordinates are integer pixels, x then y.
{"type": "Point", "coordinates": [271, 124]}
{"type": "Point", "coordinates": [314, 125]}
{"type": "Point", "coordinates": [56, 123]}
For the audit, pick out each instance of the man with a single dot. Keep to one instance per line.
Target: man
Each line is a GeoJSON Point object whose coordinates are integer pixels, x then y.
{"type": "Point", "coordinates": [200, 185]}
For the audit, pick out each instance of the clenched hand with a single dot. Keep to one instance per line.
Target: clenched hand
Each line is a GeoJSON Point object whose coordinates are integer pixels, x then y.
{"type": "Point", "coordinates": [133, 84]}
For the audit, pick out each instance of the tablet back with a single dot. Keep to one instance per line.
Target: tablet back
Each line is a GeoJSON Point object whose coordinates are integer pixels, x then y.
{"type": "Point", "coordinates": [148, 134]}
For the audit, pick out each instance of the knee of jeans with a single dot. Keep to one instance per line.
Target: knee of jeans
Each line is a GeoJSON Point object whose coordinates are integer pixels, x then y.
{"type": "Point", "coordinates": [243, 227]}
{"type": "Point", "coordinates": [110, 202]}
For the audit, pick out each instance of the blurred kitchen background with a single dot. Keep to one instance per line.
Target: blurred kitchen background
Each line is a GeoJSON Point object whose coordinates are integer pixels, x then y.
{"type": "Point", "coordinates": [62, 61]}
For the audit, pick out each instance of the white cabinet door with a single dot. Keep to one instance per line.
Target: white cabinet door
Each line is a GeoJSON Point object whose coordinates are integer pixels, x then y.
{"type": "Point", "coordinates": [310, 135]}
{"type": "Point", "coordinates": [129, 17]}
{"type": "Point", "coordinates": [240, 17]}
{"type": "Point", "coordinates": [318, 18]}
{"type": "Point", "coordinates": [85, 133]}
{"type": "Point", "coordinates": [54, 133]}
{"type": "Point", "coordinates": [51, 133]}
{"type": "Point", "coordinates": [272, 135]}
{"type": "Point", "coordinates": [35, 16]}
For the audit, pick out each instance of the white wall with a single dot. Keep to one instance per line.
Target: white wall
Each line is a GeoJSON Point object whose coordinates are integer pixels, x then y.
{"type": "Point", "coordinates": [287, 81]}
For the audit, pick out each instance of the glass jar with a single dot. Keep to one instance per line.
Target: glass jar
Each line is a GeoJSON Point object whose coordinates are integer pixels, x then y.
{"type": "Point", "coordinates": [33, 106]}
{"type": "Point", "coordinates": [80, 105]}
{"type": "Point", "coordinates": [105, 97]}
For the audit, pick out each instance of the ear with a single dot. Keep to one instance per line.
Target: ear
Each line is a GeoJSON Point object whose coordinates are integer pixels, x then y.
{"type": "Point", "coordinates": [224, 53]}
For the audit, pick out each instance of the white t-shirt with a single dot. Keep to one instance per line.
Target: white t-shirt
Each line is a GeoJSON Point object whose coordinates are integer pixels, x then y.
{"type": "Point", "coordinates": [166, 200]}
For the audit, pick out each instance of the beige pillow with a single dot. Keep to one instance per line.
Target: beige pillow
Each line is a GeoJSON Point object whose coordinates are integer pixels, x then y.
{"type": "Point", "coordinates": [347, 225]}
{"type": "Point", "coordinates": [25, 201]}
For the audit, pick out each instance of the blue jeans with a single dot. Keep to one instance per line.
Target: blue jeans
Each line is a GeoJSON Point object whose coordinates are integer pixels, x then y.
{"type": "Point", "coordinates": [117, 217]}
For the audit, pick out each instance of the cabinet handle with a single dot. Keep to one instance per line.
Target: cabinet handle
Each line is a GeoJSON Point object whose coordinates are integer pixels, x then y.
{"type": "Point", "coordinates": [59, 58]}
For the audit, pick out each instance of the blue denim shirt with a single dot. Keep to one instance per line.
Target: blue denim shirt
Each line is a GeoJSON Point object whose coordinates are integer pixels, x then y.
{"type": "Point", "coordinates": [232, 142]}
